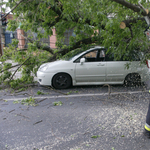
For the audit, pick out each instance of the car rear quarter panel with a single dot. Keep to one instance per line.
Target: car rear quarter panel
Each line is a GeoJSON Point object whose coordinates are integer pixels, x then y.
{"type": "Point", "coordinates": [117, 70]}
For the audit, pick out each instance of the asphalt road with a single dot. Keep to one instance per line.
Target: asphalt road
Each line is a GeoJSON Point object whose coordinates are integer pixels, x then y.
{"type": "Point", "coordinates": [89, 118]}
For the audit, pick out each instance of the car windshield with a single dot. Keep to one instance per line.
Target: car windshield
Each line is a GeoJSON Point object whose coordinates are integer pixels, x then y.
{"type": "Point", "coordinates": [74, 56]}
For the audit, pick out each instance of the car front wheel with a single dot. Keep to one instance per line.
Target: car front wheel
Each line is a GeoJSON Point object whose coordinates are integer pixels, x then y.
{"type": "Point", "coordinates": [61, 81]}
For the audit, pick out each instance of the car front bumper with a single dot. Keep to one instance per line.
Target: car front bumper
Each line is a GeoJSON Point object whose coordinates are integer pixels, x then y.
{"type": "Point", "coordinates": [44, 78]}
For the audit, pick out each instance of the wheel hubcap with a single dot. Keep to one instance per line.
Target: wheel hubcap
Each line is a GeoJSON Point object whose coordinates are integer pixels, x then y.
{"type": "Point", "coordinates": [61, 81]}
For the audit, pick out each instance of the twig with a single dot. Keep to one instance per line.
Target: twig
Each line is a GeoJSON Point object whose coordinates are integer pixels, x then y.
{"type": "Point", "coordinates": [37, 122]}
{"type": "Point", "coordinates": [127, 97]}
{"type": "Point", "coordinates": [12, 9]}
{"type": "Point", "coordinates": [41, 100]}
{"type": "Point", "coordinates": [22, 116]}
{"type": "Point", "coordinates": [130, 28]}
{"type": "Point", "coordinates": [24, 94]}
{"type": "Point", "coordinates": [25, 86]}
{"type": "Point", "coordinates": [9, 68]}
{"type": "Point", "coordinates": [146, 10]}
{"type": "Point", "coordinates": [12, 110]}
{"type": "Point", "coordinates": [26, 38]}
{"type": "Point", "coordinates": [19, 68]}
{"type": "Point", "coordinates": [56, 90]}
{"type": "Point", "coordinates": [46, 48]}
{"type": "Point", "coordinates": [109, 89]}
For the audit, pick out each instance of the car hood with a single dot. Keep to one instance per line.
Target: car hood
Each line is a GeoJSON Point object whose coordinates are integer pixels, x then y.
{"type": "Point", "coordinates": [53, 65]}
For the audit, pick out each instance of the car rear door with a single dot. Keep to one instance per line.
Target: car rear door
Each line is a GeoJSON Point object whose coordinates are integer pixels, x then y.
{"type": "Point", "coordinates": [116, 70]}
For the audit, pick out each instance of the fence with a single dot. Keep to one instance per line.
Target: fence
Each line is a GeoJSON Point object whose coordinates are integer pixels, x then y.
{"type": "Point", "coordinates": [8, 36]}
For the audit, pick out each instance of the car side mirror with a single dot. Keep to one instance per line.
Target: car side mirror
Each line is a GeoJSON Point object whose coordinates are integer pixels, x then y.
{"type": "Point", "coordinates": [82, 60]}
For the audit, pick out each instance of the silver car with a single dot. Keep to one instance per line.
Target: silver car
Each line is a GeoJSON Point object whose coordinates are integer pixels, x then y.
{"type": "Point", "coordinates": [92, 67]}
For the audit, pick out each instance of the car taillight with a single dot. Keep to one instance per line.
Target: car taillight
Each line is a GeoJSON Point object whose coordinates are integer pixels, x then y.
{"type": "Point", "coordinates": [147, 62]}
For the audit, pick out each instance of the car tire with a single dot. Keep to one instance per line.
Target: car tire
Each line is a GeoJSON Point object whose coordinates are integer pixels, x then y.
{"type": "Point", "coordinates": [132, 79]}
{"type": "Point", "coordinates": [61, 81]}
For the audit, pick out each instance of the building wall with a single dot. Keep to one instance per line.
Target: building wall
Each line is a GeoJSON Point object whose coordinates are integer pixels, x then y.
{"type": "Point", "coordinates": [9, 16]}
{"type": "Point", "coordinates": [53, 39]}
{"type": "Point", "coordinates": [20, 34]}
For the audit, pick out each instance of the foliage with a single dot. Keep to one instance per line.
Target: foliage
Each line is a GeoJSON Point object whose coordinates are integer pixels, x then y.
{"type": "Point", "coordinates": [70, 92]}
{"type": "Point", "coordinates": [28, 69]}
{"type": "Point", "coordinates": [89, 22]}
{"type": "Point", "coordinates": [29, 101]}
{"type": "Point", "coordinates": [21, 89]}
{"type": "Point", "coordinates": [95, 136]}
{"type": "Point", "coordinates": [40, 93]}
{"type": "Point", "coordinates": [59, 103]}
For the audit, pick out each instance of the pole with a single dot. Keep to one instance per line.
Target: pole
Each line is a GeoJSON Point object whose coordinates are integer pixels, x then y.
{"type": "Point", "coordinates": [1, 31]}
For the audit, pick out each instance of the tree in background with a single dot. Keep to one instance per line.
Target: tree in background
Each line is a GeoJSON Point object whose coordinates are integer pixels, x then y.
{"type": "Point", "coordinates": [94, 22]}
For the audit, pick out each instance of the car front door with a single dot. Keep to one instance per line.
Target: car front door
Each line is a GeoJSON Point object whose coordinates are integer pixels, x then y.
{"type": "Point", "coordinates": [92, 70]}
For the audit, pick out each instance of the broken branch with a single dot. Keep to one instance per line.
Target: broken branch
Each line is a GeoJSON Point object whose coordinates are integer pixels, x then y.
{"type": "Point", "coordinates": [19, 68]}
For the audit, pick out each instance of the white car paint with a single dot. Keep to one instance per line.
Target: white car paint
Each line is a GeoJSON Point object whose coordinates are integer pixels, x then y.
{"type": "Point", "coordinates": [91, 73]}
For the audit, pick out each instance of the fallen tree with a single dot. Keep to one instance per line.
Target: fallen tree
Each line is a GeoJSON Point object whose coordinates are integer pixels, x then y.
{"type": "Point", "coordinates": [93, 23]}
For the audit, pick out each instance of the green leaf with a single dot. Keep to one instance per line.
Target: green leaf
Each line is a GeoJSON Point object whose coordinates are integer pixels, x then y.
{"type": "Point", "coordinates": [95, 136]}
{"type": "Point", "coordinates": [59, 103]}
{"type": "Point", "coordinates": [40, 93]}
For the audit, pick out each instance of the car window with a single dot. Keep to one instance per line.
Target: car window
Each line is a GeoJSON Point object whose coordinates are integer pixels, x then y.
{"type": "Point", "coordinates": [126, 57]}
{"type": "Point", "coordinates": [101, 55]}
{"type": "Point", "coordinates": [109, 57]}
{"type": "Point", "coordinates": [89, 57]}
{"type": "Point", "coordinates": [91, 54]}
{"type": "Point", "coordinates": [134, 56]}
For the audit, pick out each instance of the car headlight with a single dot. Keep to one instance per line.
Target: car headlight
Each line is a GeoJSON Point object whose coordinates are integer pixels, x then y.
{"type": "Point", "coordinates": [43, 67]}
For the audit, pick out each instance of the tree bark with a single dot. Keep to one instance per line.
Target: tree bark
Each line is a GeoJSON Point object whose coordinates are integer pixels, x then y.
{"type": "Point", "coordinates": [133, 7]}
{"type": "Point", "coordinates": [136, 8]}
{"type": "Point", "coordinates": [128, 23]}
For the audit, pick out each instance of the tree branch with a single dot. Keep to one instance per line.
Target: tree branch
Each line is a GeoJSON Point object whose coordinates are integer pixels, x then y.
{"type": "Point", "coordinates": [136, 8]}
{"type": "Point", "coordinates": [128, 23]}
{"type": "Point", "coordinates": [12, 9]}
{"type": "Point", "coordinates": [131, 31]}
{"type": "Point", "coordinates": [19, 68]}
{"type": "Point", "coordinates": [46, 48]}
{"type": "Point", "coordinates": [10, 68]}
{"type": "Point", "coordinates": [133, 7]}
{"type": "Point", "coordinates": [75, 46]}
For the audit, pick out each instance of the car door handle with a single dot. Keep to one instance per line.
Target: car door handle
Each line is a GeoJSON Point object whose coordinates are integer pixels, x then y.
{"type": "Point", "coordinates": [101, 65]}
